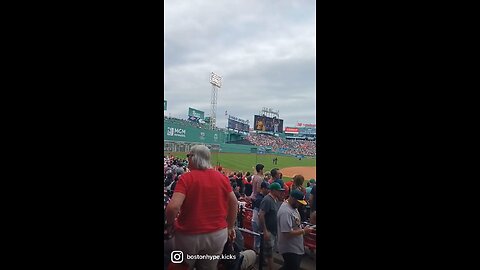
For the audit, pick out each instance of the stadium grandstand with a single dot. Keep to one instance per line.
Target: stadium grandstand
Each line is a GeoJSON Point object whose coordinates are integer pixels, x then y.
{"type": "Point", "coordinates": [181, 134]}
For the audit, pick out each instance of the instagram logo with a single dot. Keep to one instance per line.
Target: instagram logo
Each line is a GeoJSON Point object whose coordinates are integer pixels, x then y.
{"type": "Point", "coordinates": [176, 256]}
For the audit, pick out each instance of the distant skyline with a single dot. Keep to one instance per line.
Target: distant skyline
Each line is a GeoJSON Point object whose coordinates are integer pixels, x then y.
{"type": "Point", "coordinates": [264, 50]}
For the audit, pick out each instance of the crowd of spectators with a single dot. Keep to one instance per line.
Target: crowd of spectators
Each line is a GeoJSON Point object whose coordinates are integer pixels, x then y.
{"type": "Point", "coordinates": [276, 206]}
{"type": "Point", "coordinates": [289, 147]}
{"type": "Point", "coordinates": [201, 204]}
{"type": "Point", "coordinates": [173, 167]}
{"type": "Point", "coordinates": [266, 140]}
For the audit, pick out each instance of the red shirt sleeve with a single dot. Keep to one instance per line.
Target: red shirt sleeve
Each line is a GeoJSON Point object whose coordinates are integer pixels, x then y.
{"type": "Point", "coordinates": [227, 183]}
{"type": "Point", "coordinates": [181, 185]}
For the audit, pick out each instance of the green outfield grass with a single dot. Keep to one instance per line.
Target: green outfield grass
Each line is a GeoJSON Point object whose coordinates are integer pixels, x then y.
{"type": "Point", "coordinates": [247, 162]}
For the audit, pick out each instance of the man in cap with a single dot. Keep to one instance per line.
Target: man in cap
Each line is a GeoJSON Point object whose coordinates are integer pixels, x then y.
{"type": "Point", "coordinates": [267, 217]}
{"type": "Point", "coordinates": [277, 178]}
{"type": "Point", "coordinates": [290, 233]}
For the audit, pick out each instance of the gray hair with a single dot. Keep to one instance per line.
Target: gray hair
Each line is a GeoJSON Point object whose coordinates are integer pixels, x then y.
{"type": "Point", "coordinates": [201, 157]}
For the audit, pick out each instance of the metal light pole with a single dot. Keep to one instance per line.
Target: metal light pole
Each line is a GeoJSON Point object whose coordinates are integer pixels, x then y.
{"type": "Point", "coordinates": [216, 82]}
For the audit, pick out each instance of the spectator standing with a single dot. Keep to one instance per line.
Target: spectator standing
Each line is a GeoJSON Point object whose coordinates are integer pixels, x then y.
{"type": "Point", "coordinates": [256, 208]}
{"type": "Point", "coordinates": [290, 234]}
{"type": "Point", "coordinates": [257, 180]}
{"type": "Point", "coordinates": [248, 185]}
{"type": "Point", "coordinates": [310, 185]}
{"type": "Point", "coordinates": [276, 176]}
{"type": "Point", "coordinates": [267, 217]}
{"type": "Point", "coordinates": [206, 207]}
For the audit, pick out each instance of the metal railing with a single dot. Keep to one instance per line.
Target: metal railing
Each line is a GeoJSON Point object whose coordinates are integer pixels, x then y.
{"type": "Point", "coordinates": [240, 228]}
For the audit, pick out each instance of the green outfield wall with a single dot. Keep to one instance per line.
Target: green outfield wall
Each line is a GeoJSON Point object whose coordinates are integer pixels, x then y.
{"type": "Point", "coordinates": [180, 135]}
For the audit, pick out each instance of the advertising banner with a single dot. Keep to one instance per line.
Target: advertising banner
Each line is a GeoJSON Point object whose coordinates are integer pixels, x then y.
{"type": "Point", "coordinates": [195, 113]}
{"type": "Point", "coordinates": [291, 130]}
{"type": "Point", "coordinates": [180, 132]}
{"type": "Point", "coordinates": [306, 125]}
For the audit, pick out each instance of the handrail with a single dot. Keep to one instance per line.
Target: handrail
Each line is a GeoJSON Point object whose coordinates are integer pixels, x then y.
{"type": "Point", "coordinates": [239, 227]}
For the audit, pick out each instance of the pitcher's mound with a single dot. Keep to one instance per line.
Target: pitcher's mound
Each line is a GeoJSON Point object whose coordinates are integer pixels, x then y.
{"type": "Point", "coordinates": [307, 172]}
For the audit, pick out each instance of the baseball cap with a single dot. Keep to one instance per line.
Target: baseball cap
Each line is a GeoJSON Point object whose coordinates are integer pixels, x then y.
{"type": "Point", "coordinates": [298, 195]}
{"type": "Point", "coordinates": [249, 257]}
{"type": "Point", "coordinates": [312, 180]}
{"type": "Point", "coordinates": [275, 186]}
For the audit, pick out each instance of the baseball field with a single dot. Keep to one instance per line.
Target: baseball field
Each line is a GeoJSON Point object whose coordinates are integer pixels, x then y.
{"type": "Point", "coordinates": [246, 163]}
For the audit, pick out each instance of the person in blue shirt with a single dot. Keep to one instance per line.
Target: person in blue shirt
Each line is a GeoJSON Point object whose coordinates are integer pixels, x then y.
{"type": "Point", "coordinates": [310, 185]}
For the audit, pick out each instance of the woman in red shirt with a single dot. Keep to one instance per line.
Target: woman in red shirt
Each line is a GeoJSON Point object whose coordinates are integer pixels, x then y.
{"type": "Point", "coordinates": [206, 207]}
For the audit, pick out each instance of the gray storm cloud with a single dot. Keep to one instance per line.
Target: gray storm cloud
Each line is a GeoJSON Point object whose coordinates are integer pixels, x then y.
{"type": "Point", "coordinates": [264, 50]}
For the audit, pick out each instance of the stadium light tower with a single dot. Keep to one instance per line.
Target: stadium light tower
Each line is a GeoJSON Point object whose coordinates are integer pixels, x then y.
{"type": "Point", "coordinates": [216, 82]}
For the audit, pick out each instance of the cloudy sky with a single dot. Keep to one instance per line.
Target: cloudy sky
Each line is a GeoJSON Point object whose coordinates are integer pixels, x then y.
{"type": "Point", "coordinates": [264, 50]}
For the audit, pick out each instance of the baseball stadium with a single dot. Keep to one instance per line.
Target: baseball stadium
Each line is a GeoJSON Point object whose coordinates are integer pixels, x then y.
{"type": "Point", "coordinates": [235, 151]}
{"type": "Point", "coordinates": [240, 150]}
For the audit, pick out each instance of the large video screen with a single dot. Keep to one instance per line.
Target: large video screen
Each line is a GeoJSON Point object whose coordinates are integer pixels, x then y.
{"type": "Point", "coordinates": [264, 123]}
{"type": "Point", "coordinates": [237, 125]}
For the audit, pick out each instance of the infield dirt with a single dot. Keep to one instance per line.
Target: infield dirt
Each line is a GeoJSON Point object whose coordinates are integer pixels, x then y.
{"type": "Point", "coordinates": [307, 172]}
